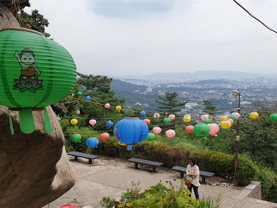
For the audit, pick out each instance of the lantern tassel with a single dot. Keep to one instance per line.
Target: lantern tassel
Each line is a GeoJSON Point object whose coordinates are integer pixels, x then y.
{"type": "Point", "coordinates": [26, 120]}
{"type": "Point", "coordinates": [11, 123]}
{"type": "Point", "coordinates": [47, 122]}
{"type": "Point", "coordinates": [135, 147]}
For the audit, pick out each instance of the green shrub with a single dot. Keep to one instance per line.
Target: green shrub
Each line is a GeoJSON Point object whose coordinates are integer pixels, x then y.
{"type": "Point", "coordinates": [246, 171]}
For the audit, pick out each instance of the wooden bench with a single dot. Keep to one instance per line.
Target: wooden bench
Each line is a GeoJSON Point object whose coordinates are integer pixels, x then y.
{"type": "Point", "coordinates": [83, 155]}
{"type": "Point", "coordinates": [203, 174]}
{"type": "Point", "coordinates": [146, 162]}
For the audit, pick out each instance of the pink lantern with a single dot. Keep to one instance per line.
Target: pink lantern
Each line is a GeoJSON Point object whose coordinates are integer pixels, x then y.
{"type": "Point", "coordinates": [189, 129]}
{"type": "Point", "coordinates": [214, 128]}
{"type": "Point", "coordinates": [203, 117]}
{"type": "Point", "coordinates": [226, 115]}
{"type": "Point", "coordinates": [236, 114]}
{"type": "Point", "coordinates": [229, 119]}
{"type": "Point", "coordinates": [157, 130]}
{"type": "Point", "coordinates": [156, 115]}
{"type": "Point", "coordinates": [172, 117]}
{"type": "Point", "coordinates": [104, 136]}
{"type": "Point", "coordinates": [92, 122]}
{"type": "Point", "coordinates": [147, 121]}
{"type": "Point", "coordinates": [107, 105]}
{"type": "Point", "coordinates": [170, 133]}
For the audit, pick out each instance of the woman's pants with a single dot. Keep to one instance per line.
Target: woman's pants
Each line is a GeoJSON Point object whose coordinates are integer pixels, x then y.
{"type": "Point", "coordinates": [195, 189]}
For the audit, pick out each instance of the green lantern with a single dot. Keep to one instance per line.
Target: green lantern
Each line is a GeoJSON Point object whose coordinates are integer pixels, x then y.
{"type": "Point", "coordinates": [234, 118]}
{"type": "Point", "coordinates": [273, 117]}
{"type": "Point", "coordinates": [208, 115]}
{"type": "Point", "coordinates": [201, 130]}
{"type": "Point", "coordinates": [206, 121]}
{"type": "Point", "coordinates": [79, 94]}
{"type": "Point", "coordinates": [59, 119]}
{"type": "Point", "coordinates": [151, 137]}
{"type": "Point", "coordinates": [34, 72]}
{"type": "Point", "coordinates": [167, 120]}
{"type": "Point", "coordinates": [76, 137]}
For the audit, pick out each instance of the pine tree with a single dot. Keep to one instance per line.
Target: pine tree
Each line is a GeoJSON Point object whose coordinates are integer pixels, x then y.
{"type": "Point", "coordinates": [209, 107]}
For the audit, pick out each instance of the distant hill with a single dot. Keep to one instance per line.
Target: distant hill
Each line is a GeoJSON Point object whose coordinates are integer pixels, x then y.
{"type": "Point", "coordinates": [211, 74]}
{"type": "Point", "coordinates": [118, 85]}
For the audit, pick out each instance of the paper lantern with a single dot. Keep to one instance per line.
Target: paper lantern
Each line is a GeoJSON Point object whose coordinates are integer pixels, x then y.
{"type": "Point", "coordinates": [92, 122]}
{"type": "Point", "coordinates": [223, 117]}
{"type": "Point", "coordinates": [156, 115]}
{"type": "Point", "coordinates": [187, 118]}
{"type": "Point", "coordinates": [225, 124]}
{"type": "Point", "coordinates": [143, 113]}
{"type": "Point", "coordinates": [147, 121]}
{"type": "Point", "coordinates": [88, 98]}
{"type": "Point", "coordinates": [229, 119]}
{"type": "Point", "coordinates": [104, 136]}
{"type": "Point", "coordinates": [131, 131]}
{"type": "Point", "coordinates": [273, 117]}
{"type": "Point", "coordinates": [170, 133]}
{"type": "Point", "coordinates": [150, 137]}
{"type": "Point", "coordinates": [206, 121]}
{"type": "Point", "coordinates": [92, 142]}
{"type": "Point", "coordinates": [204, 117]}
{"type": "Point", "coordinates": [59, 119]}
{"type": "Point", "coordinates": [254, 115]}
{"type": "Point", "coordinates": [214, 128]}
{"type": "Point", "coordinates": [157, 130]}
{"type": "Point", "coordinates": [74, 121]}
{"type": "Point", "coordinates": [109, 124]}
{"type": "Point", "coordinates": [76, 137]}
{"type": "Point", "coordinates": [122, 144]}
{"type": "Point", "coordinates": [234, 118]}
{"type": "Point", "coordinates": [107, 105]}
{"type": "Point", "coordinates": [236, 114]}
{"type": "Point", "coordinates": [189, 129]}
{"type": "Point", "coordinates": [35, 72]}
{"type": "Point", "coordinates": [201, 130]}
{"type": "Point", "coordinates": [167, 120]}
{"type": "Point", "coordinates": [209, 115]}
{"type": "Point", "coordinates": [171, 117]}
{"type": "Point", "coordinates": [79, 94]}
{"type": "Point", "coordinates": [118, 108]}
{"type": "Point", "coordinates": [227, 113]}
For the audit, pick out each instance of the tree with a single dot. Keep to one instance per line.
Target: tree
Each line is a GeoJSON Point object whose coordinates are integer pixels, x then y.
{"type": "Point", "coordinates": [169, 103]}
{"type": "Point", "coordinates": [34, 21]}
{"type": "Point", "coordinates": [209, 107]}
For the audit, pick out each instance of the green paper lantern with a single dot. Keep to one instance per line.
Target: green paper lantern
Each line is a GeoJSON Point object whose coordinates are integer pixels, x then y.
{"type": "Point", "coordinates": [208, 115]}
{"type": "Point", "coordinates": [35, 72]}
{"type": "Point", "coordinates": [150, 137]}
{"type": "Point", "coordinates": [201, 130]}
{"type": "Point", "coordinates": [273, 117]}
{"type": "Point", "coordinates": [206, 121]}
{"type": "Point", "coordinates": [76, 137]}
{"type": "Point", "coordinates": [59, 119]}
{"type": "Point", "coordinates": [79, 94]}
{"type": "Point", "coordinates": [167, 120]}
{"type": "Point", "coordinates": [234, 118]}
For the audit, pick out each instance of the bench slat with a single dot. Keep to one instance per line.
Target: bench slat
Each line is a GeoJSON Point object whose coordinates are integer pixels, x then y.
{"type": "Point", "coordinates": [147, 162]}
{"type": "Point", "coordinates": [202, 173]}
{"type": "Point", "coordinates": [79, 154]}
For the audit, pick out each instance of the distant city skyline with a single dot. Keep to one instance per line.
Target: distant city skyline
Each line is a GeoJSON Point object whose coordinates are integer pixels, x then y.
{"type": "Point", "coordinates": [135, 37]}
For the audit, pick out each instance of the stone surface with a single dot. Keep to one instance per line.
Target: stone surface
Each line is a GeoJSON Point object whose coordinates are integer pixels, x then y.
{"type": "Point", "coordinates": [6, 17]}
{"type": "Point", "coordinates": [256, 191]}
{"type": "Point", "coordinates": [34, 168]}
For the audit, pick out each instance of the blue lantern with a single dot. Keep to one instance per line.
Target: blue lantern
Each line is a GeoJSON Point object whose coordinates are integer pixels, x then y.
{"type": "Point", "coordinates": [131, 131]}
{"type": "Point", "coordinates": [88, 98]}
{"type": "Point", "coordinates": [227, 113]}
{"type": "Point", "coordinates": [92, 142]}
{"type": "Point", "coordinates": [109, 124]}
{"type": "Point", "coordinates": [143, 114]}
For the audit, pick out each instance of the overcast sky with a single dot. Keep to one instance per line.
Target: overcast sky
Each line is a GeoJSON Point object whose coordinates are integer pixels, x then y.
{"type": "Point", "coordinates": [141, 37]}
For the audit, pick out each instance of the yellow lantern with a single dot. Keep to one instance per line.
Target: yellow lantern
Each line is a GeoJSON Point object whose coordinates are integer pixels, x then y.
{"type": "Point", "coordinates": [187, 118]}
{"type": "Point", "coordinates": [222, 118]}
{"type": "Point", "coordinates": [74, 121]}
{"type": "Point", "coordinates": [254, 115]}
{"type": "Point", "coordinates": [118, 108]}
{"type": "Point", "coordinates": [122, 144]}
{"type": "Point", "coordinates": [225, 124]}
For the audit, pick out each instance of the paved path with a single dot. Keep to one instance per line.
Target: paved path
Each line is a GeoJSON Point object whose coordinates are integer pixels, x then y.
{"type": "Point", "coordinates": [94, 181]}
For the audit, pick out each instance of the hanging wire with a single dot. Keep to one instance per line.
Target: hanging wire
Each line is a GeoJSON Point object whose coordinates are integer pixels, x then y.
{"type": "Point", "coordinates": [254, 17]}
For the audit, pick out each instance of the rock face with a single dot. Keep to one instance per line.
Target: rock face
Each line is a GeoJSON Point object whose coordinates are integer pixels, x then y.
{"type": "Point", "coordinates": [6, 18]}
{"type": "Point", "coordinates": [34, 168]}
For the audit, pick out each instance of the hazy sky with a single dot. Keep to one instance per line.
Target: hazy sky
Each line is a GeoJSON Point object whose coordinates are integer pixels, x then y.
{"type": "Point", "coordinates": [140, 37]}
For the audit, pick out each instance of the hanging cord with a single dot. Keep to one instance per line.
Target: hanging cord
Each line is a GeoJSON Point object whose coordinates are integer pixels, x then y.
{"type": "Point", "coordinates": [17, 13]}
{"type": "Point", "coordinates": [254, 17]}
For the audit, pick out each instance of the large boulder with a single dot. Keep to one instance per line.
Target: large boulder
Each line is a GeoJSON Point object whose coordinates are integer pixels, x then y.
{"type": "Point", "coordinates": [34, 168]}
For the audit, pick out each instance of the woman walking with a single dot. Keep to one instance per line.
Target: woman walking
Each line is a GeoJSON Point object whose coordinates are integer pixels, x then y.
{"type": "Point", "coordinates": [193, 176]}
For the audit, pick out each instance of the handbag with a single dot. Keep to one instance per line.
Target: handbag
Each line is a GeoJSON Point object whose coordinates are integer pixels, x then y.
{"type": "Point", "coordinates": [188, 183]}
